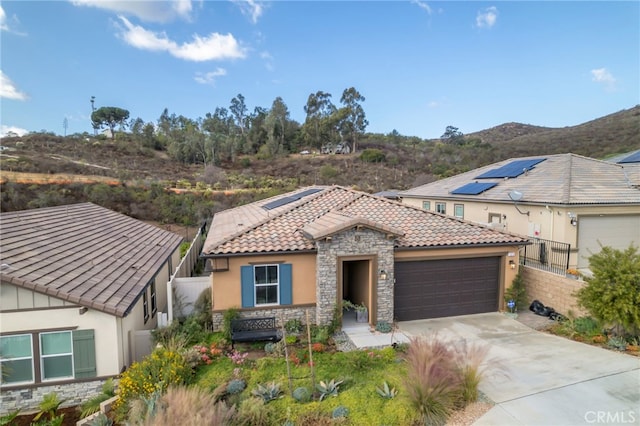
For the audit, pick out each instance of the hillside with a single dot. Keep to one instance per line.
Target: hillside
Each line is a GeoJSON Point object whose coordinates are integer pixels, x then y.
{"type": "Point", "coordinates": [615, 133]}
{"type": "Point", "coordinates": [402, 162]}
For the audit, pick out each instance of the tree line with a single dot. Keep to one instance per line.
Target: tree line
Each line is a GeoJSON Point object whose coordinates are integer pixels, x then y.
{"type": "Point", "coordinates": [232, 131]}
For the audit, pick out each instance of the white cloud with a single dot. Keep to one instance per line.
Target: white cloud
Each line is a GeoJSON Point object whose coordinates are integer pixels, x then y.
{"type": "Point", "coordinates": [4, 24]}
{"type": "Point", "coordinates": [153, 11]}
{"type": "Point", "coordinates": [433, 104]}
{"type": "Point", "coordinates": [604, 77]}
{"type": "Point", "coordinates": [3, 20]}
{"type": "Point", "coordinates": [422, 5]}
{"type": "Point", "coordinates": [210, 77]}
{"type": "Point", "coordinates": [268, 60]}
{"type": "Point", "coordinates": [251, 8]}
{"type": "Point", "coordinates": [9, 90]}
{"type": "Point", "coordinates": [4, 130]}
{"type": "Point", "coordinates": [215, 46]}
{"type": "Point", "coordinates": [487, 18]}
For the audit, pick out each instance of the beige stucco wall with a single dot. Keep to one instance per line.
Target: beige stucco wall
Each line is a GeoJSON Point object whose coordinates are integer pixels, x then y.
{"type": "Point", "coordinates": [104, 326]}
{"type": "Point", "coordinates": [227, 285]}
{"type": "Point", "coordinates": [546, 222]}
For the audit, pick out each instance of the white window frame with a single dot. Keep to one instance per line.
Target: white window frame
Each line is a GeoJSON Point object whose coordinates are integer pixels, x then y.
{"type": "Point", "coordinates": [145, 306]}
{"type": "Point", "coordinates": [426, 205]}
{"type": "Point", "coordinates": [154, 298]}
{"type": "Point", "coordinates": [256, 285]}
{"type": "Point", "coordinates": [455, 210]}
{"type": "Point", "coordinates": [43, 357]}
{"type": "Point", "coordinates": [4, 359]}
{"type": "Point", "coordinates": [441, 206]}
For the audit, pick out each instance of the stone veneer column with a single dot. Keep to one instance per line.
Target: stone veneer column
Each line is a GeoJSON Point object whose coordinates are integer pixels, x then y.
{"type": "Point", "coordinates": [353, 242]}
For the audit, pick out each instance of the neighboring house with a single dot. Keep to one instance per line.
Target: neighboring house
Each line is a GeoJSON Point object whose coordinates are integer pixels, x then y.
{"type": "Point", "coordinates": [565, 197]}
{"type": "Point", "coordinates": [308, 250]}
{"type": "Point", "coordinates": [77, 282]}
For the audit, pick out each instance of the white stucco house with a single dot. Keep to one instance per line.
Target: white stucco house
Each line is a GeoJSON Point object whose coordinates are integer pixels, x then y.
{"type": "Point", "coordinates": [76, 284]}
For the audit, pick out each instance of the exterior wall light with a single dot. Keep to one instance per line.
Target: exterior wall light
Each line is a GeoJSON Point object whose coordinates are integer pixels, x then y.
{"type": "Point", "coordinates": [512, 264]}
{"type": "Point", "coordinates": [383, 274]}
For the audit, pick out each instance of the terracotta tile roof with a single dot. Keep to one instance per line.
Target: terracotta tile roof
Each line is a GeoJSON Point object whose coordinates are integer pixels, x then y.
{"type": "Point", "coordinates": [561, 179]}
{"type": "Point", "coordinates": [84, 254]}
{"type": "Point", "coordinates": [332, 209]}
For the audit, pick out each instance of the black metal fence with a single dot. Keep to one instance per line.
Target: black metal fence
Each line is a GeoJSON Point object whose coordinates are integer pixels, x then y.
{"type": "Point", "coordinates": [552, 256]}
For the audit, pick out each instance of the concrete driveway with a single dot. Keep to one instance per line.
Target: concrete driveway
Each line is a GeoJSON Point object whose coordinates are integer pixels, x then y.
{"type": "Point", "coordinates": [541, 379]}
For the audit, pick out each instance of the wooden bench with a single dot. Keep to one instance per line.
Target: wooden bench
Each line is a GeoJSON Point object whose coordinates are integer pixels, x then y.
{"type": "Point", "coordinates": [254, 330]}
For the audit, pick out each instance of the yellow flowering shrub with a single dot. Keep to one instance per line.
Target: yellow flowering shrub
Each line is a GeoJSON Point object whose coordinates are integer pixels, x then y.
{"type": "Point", "coordinates": [156, 372]}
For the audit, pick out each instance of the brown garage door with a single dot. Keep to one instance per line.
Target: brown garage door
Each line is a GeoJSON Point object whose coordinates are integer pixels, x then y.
{"type": "Point", "coordinates": [446, 287]}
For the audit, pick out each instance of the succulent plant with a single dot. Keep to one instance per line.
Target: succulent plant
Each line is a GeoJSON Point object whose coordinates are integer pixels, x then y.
{"type": "Point", "coordinates": [236, 386]}
{"type": "Point", "coordinates": [328, 388]}
{"type": "Point", "coordinates": [618, 343]}
{"type": "Point", "coordinates": [383, 327]}
{"type": "Point", "coordinates": [301, 394]}
{"type": "Point", "coordinates": [386, 392]}
{"type": "Point", "coordinates": [268, 392]}
{"type": "Point", "coordinates": [340, 412]}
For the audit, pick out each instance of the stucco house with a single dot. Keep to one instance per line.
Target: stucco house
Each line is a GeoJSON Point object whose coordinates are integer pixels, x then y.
{"type": "Point", "coordinates": [76, 284]}
{"type": "Point", "coordinates": [310, 249]}
{"type": "Point", "coordinates": [567, 198]}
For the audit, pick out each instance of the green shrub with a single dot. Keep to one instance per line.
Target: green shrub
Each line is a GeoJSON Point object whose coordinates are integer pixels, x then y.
{"type": "Point", "coordinates": [612, 294]}
{"type": "Point", "coordinates": [184, 247]}
{"type": "Point", "coordinates": [328, 172]}
{"type": "Point", "coordinates": [155, 373]}
{"type": "Point", "coordinates": [587, 326]}
{"type": "Point", "coordinates": [518, 293]}
{"type": "Point", "coordinates": [293, 326]}
{"type": "Point", "coordinates": [320, 334]}
{"type": "Point", "coordinates": [372, 155]}
{"type": "Point", "coordinates": [228, 316]}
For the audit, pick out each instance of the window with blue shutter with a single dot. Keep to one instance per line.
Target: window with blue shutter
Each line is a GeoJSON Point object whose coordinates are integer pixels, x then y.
{"type": "Point", "coordinates": [264, 285]}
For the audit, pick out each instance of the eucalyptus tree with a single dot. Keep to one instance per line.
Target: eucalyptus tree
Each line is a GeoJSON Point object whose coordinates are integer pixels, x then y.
{"type": "Point", "coordinates": [319, 109]}
{"type": "Point", "coordinates": [355, 122]}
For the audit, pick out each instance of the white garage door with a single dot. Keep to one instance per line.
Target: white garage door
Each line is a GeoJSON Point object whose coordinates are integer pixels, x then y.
{"type": "Point", "coordinates": [614, 231]}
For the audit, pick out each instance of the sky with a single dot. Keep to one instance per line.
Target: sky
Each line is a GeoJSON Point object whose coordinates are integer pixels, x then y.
{"type": "Point", "coordinates": [421, 65]}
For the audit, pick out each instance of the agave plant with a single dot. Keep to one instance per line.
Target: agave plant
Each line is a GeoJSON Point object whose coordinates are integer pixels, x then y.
{"type": "Point", "coordinates": [268, 392]}
{"type": "Point", "coordinates": [328, 388]}
{"type": "Point", "coordinates": [386, 392]}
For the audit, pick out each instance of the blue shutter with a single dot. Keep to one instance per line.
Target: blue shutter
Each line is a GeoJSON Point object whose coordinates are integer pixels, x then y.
{"type": "Point", "coordinates": [286, 294]}
{"type": "Point", "coordinates": [84, 353]}
{"type": "Point", "coordinates": [246, 277]}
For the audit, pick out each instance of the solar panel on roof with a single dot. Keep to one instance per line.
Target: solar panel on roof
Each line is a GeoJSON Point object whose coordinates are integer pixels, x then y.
{"type": "Point", "coordinates": [633, 158]}
{"type": "Point", "coordinates": [473, 188]}
{"type": "Point", "coordinates": [279, 202]}
{"type": "Point", "coordinates": [306, 192]}
{"type": "Point", "coordinates": [512, 169]}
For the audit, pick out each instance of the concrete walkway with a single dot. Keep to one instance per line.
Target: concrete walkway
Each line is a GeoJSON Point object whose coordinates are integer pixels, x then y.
{"type": "Point", "coordinates": [362, 337]}
{"type": "Point", "coordinates": [540, 379]}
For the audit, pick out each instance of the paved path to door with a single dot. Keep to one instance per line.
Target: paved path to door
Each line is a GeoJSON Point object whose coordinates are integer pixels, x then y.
{"type": "Point", "coordinates": [541, 379]}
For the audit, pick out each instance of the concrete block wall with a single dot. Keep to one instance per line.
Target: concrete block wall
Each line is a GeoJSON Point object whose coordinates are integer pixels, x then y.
{"type": "Point", "coordinates": [552, 290]}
